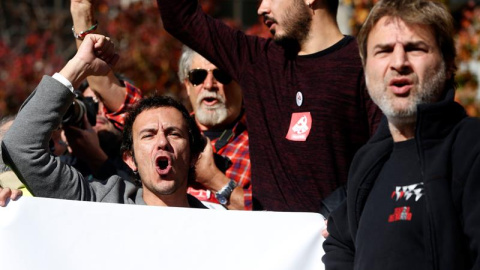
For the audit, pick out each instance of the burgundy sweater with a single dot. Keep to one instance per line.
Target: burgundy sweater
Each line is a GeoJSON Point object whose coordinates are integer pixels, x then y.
{"type": "Point", "coordinates": [286, 175]}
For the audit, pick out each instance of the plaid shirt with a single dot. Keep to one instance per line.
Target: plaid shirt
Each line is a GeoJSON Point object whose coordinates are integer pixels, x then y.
{"type": "Point", "coordinates": [118, 118]}
{"type": "Point", "coordinates": [237, 151]}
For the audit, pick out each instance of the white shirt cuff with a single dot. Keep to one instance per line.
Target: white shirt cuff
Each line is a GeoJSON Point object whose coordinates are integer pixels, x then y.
{"type": "Point", "coordinates": [59, 77]}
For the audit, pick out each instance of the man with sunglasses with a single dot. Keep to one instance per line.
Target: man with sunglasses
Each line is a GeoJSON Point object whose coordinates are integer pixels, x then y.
{"type": "Point", "coordinates": [223, 170]}
{"type": "Point", "coordinates": [307, 107]}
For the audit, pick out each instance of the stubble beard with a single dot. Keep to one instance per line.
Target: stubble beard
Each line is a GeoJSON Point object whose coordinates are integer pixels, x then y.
{"type": "Point", "coordinates": [157, 190]}
{"type": "Point", "coordinates": [296, 22]}
{"type": "Point", "coordinates": [427, 92]}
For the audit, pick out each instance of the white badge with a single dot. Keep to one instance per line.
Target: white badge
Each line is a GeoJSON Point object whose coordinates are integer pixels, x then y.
{"type": "Point", "coordinates": [299, 98]}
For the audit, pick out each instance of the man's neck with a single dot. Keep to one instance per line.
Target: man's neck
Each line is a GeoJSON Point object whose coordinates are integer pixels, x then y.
{"type": "Point", "coordinates": [401, 132]}
{"type": "Point", "coordinates": [216, 127]}
{"type": "Point", "coordinates": [324, 33]}
{"type": "Point", "coordinates": [228, 123]}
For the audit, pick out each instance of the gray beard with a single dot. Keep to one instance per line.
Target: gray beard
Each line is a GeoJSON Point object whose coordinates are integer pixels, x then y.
{"type": "Point", "coordinates": [432, 89]}
{"type": "Point", "coordinates": [208, 117]}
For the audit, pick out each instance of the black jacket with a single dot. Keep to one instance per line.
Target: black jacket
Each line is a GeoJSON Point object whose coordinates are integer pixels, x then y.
{"type": "Point", "coordinates": [448, 144]}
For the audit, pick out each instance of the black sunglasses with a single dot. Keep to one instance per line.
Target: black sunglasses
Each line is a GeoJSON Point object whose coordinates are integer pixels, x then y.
{"type": "Point", "coordinates": [198, 75]}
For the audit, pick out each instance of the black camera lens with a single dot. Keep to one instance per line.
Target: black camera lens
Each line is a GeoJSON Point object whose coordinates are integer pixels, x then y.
{"type": "Point", "coordinates": [81, 106]}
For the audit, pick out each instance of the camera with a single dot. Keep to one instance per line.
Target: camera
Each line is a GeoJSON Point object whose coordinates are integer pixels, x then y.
{"type": "Point", "coordinates": [81, 106]}
{"type": "Point", "coordinates": [222, 162]}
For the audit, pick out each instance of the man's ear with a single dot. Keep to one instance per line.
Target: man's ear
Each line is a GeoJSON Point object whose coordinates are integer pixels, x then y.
{"type": "Point", "coordinates": [128, 158]}
{"type": "Point", "coordinates": [187, 85]}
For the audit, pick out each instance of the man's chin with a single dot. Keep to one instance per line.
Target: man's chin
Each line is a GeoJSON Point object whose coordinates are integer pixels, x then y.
{"type": "Point", "coordinates": [402, 118]}
{"type": "Point", "coordinates": [169, 189]}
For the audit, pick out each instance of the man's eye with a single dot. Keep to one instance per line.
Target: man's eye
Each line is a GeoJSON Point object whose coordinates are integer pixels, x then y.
{"type": "Point", "coordinates": [421, 50]}
{"type": "Point", "coordinates": [382, 51]}
{"type": "Point", "coordinates": [175, 134]}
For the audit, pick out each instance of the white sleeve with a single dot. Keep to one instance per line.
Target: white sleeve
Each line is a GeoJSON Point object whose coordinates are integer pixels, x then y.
{"type": "Point", "coordinates": [59, 77]}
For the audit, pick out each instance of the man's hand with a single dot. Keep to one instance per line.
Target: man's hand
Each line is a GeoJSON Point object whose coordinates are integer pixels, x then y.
{"type": "Point", "coordinates": [213, 179]}
{"type": "Point", "coordinates": [95, 56]}
{"type": "Point", "coordinates": [85, 145]}
{"type": "Point", "coordinates": [98, 53]}
{"type": "Point", "coordinates": [82, 2]}
{"type": "Point", "coordinates": [207, 172]}
{"type": "Point", "coordinates": [7, 193]}
{"type": "Point", "coordinates": [325, 231]}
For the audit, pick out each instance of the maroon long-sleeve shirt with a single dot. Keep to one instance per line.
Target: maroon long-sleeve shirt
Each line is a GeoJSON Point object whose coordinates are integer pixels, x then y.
{"type": "Point", "coordinates": [286, 175]}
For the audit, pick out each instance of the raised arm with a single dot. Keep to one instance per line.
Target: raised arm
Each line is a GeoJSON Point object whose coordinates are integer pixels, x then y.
{"type": "Point", "coordinates": [108, 88]}
{"type": "Point", "coordinates": [229, 49]}
{"type": "Point", "coordinates": [25, 146]}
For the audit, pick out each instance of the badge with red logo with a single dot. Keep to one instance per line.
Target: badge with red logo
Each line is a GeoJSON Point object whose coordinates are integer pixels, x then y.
{"type": "Point", "coordinates": [300, 127]}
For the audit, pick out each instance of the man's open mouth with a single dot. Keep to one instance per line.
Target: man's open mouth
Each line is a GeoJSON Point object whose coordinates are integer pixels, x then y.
{"type": "Point", "coordinates": [209, 101]}
{"type": "Point", "coordinates": [163, 164]}
{"type": "Point", "coordinates": [268, 21]}
{"type": "Point", "coordinates": [401, 86]}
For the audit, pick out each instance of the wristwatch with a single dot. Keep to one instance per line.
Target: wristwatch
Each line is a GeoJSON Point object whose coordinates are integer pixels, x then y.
{"type": "Point", "coordinates": [223, 195]}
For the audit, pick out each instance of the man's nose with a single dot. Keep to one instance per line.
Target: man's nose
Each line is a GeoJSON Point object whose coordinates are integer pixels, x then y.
{"type": "Point", "coordinates": [162, 141]}
{"type": "Point", "coordinates": [210, 82]}
{"type": "Point", "coordinates": [264, 7]}
{"type": "Point", "coordinates": [399, 60]}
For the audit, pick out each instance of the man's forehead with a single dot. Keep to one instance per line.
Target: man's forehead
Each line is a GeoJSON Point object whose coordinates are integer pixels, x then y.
{"type": "Point", "coordinates": [403, 31]}
{"type": "Point", "coordinates": [165, 116]}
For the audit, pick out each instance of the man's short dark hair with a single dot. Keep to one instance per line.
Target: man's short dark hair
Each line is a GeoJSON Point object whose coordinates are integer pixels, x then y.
{"type": "Point", "coordinates": [197, 142]}
{"type": "Point", "coordinates": [332, 7]}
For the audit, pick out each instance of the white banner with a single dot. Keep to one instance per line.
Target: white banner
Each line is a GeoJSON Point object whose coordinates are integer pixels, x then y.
{"type": "Point", "coordinates": [38, 233]}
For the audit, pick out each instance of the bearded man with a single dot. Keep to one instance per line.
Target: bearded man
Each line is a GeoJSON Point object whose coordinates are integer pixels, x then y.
{"type": "Point", "coordinates": [223, 169]}
{"type": "Point", "coordinates": [306, 104]}
{"type": "Point", "coordinates": [413, 188]}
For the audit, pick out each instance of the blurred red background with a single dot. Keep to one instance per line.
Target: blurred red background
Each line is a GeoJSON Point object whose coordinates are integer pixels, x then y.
{"type": "Point", "coordinates": [36, 39]}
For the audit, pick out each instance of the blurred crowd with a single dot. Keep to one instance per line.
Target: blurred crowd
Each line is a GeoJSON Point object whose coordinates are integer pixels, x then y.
{"type": "Point", "coordinates": [35, 40]}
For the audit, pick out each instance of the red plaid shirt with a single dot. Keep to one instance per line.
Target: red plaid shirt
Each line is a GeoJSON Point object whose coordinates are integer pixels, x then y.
{"type": "Point", "coordinates": [237, 151]}
{"type": "Point", "coordinates": [118, 118]}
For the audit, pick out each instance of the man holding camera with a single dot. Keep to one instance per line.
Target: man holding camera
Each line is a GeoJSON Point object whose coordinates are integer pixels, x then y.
{"type": "Point", "coordinates": [223, 171]}
{"type": "Point", "coordinates": [161, 142]}
{"type": "Point", "coordinates": [94, 146]}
